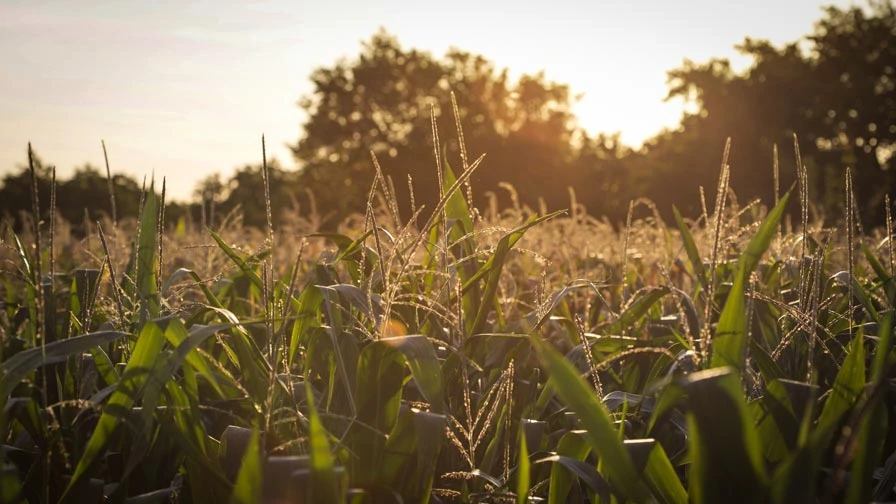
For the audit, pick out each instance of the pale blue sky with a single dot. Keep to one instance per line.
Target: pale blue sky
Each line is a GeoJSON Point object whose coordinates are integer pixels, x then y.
{"type": "Point", "coordinates": [185, 89]}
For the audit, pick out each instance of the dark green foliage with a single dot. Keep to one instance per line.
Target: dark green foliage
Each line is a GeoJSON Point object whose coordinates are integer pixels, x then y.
{"type": "Point", "coordinates": [380, 102]}
{"type": "Point", "coordinates": [459, 358]}
{"type": "Point", "coordinates": [428, 382]}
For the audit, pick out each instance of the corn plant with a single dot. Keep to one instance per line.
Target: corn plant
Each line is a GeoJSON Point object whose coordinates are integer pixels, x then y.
{"type": "Point", "coordinates": [516, 356]}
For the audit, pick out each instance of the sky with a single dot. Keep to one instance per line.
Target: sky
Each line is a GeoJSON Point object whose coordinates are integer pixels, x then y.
{"type": "Point", "coordinates": [184, 89]}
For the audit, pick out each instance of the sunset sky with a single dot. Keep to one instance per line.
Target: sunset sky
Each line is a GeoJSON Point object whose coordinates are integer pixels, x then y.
{"type": "Point", "coordinates": [184, 89]}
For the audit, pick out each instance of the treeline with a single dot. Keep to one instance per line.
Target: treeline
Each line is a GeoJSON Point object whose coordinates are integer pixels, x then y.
{"type": "Point", "coordinates": [833, 89]}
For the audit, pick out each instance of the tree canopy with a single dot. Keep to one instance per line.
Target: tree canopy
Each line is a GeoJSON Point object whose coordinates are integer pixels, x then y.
{"type": "Point", "coordinates": [833, 89]}
{"type": "Point", "coordinates": [381, 103]}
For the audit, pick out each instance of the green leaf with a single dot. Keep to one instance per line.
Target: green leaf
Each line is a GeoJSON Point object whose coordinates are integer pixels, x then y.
{"type": "Point", "coordinates": [324, 481]}
{"type": "Point", "coordinates": [147, 255]}
{"type": "Point", "coordinates": [308, 310]}
{"type": "Point", "coordinates": [799, 472]}
{"type": "Point", "coordinates": [17, 367]}
{"type": "Point", "coordinates": [730, 340]}
{"type": "Point", "coordinates": [724, 444]}
{"type": "Point", "coordinates": [348, 248]}
{"type": "Point", "coordinates": [104, 365]}
{"type": "Point", "coordinates": [883, 276]}
{"type": "Point", "coordinates": [10, 483]}
{"type": "Point", "coordinates": [493, 267]}
{"type": "Point", "coordinates": [884, 352]}
{"type": "Point", "coordinates": [637, 309]}
{"type": "Point", "coordinates": [768, 368]}
{"type": "Point", "coordinates": [343, 344]}
{"type": "Point", "coordinates": [380, 377]}
{"type": "Point", "coordinates": [237, 259]}
{"type": "Point", "coordinates": [412, 452]}
{"type": "Point", "coordinates": [870, 440]}
{"type": "Point", "coordinates": [83, 294]}
{"type": "Point", "coordinates": [144, 358]}
{"type": "Point", "coordinates": [662, 479]}
{"type": "Point", "coordinates": [872, 430]}
{"type": "Point", "coordinates": [844, 278]}
{"type": "Point", "coordinates": [164, 370]}
{"type": "Point", "coordinates": [424, 363]}
{"type": "Point", "coordinates": [522, 471]}
{"type": "Point", "coordinates": [570, 461]}
{"type": "Point", "coordinates": [778, 421]}
{"type": "Point", "coordinates": [456, 210]}
{"type": "Point", "coordinates": [690, 248]}
{"type": "Point", "coordinates": [378, 385]}
{"type": "Point", "coordinates": [186, 342]}
{"type": "Point", "coordinates": [599, 428]}
{"type": "Point", "coordinates": [253, 366]}
{"type": "Point", "coordinates": [845, 393]}
{"type": "Point", "coordinates": [249, 485]}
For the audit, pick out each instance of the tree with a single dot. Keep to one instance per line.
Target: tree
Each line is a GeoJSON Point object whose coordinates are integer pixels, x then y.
{"type": "Point", "coordinates": [16, 192]}
{"type": "Point", "coordinates": [605, 181]}
{"type": "Point", "coordinates": [381, 102]}
{"type": "Point", "coordinates": [209, 193]}
{"type": "Point", "coordinates": [85, 196]}
{"type": "Point", "coordinates": [854, 122]}
{"type": "Point", "coordinates": [833, 89]}
{"type": "Point", "coordinates": [82, 198]}
{"type": "Point", "coordinates": [245, 191]}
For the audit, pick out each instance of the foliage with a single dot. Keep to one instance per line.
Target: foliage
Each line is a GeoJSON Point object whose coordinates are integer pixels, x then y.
{"type": "Point", "coordinates": [380, 103]}
{"type": "Point", "coordinates": [81, 199]}
{"type": "Point", "coordinates": [468, 361]}
{"type": "Point", "coordinates": [457, 356]}
{"type": "Point", "coordinates": [833, 89]}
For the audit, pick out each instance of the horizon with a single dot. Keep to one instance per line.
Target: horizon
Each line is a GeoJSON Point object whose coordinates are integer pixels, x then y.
{"type": "Point", "coordinates": [175, 87]}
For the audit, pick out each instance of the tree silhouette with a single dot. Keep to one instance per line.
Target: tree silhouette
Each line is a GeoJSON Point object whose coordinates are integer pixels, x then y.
{"type": "Point", "coordinates": [85, 196]}
{"type": "Point", "coordinates": [245, 192]}
{"type": "Point", "coordinates": [81, 199]}
{"type": "Point", "coordinates": [834, 89]}
{"type": "Point", "coordinates": [380, 103]}
{"type": "Point", "coordinates": [16, 192]}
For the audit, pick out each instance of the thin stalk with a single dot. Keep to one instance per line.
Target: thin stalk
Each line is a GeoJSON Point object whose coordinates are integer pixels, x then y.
{"type": "Point", "coordinates": [777, 177]}
{"type": "Point", "coordinates": [850, 243]}
{"type": "Point", "coordinates": [463, 154]}
{"type": "Point", "coordinates": [38, 273]}
{"type": "Point", "coordinates": [441, 212]}
{"type": "Point", "coordinates": [628, 229]}
{"type": "Point", "coordinates": [589, 358]}
{"type": "Point", "coordinates": [160, 234]}
{"type": "Point", "coordinates": [815, 306]}
{"type": "Point", "coordinates": [268, 279]}
{"type": "Point", "coordinates": [413, 202]}
{"type": "Point", "coordinates": [267, 290]}
{"type": "Point", "coordinates": [111, 186]}
{"type": "Point", "coordinates": [371, 215]}
{"type": "Point", "coordinates": [721, 195]}
{"type": "Point", "coordinates": [108, 259]}
{"type": "Point", "coordinates": [804, 216]}
{"type": "Point", "coordinates": [52, 229]}
{"type": "Point", "coordinates": [889, 235]}
{"type": "Point", "coordinates": [291, 289]}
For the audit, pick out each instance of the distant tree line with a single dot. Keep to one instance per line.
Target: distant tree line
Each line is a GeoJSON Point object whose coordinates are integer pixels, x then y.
{"type": "Point", "coordinates": [834, 89]}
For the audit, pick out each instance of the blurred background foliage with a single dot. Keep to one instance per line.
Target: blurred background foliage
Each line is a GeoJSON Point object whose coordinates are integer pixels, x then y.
{"type": "Point", "coordinates": [833, 89]}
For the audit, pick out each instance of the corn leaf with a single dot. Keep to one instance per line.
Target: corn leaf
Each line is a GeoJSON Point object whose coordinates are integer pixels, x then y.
{"type": "Point", "coordinates": [729, 343]}
{"type": "Point", "coordinates": [599, 428]}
